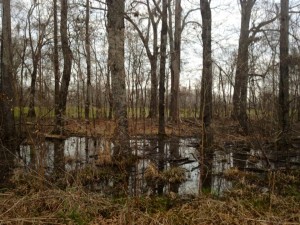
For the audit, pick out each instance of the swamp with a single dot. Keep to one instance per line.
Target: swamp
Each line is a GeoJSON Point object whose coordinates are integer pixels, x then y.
{"type": "Point", "coordinates": [159, 112]}
{"type": "Point", "coordinates": [246, 181]}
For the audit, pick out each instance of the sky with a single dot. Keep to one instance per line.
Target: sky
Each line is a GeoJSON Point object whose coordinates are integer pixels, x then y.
{"type": "Point", "coordinates": [225, 33]}
{"type": "Point", "coordinates": [226, 19]}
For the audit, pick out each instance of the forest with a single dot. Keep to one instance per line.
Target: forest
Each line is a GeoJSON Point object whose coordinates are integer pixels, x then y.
{"type": "Point", "coordinates": [150, 111]}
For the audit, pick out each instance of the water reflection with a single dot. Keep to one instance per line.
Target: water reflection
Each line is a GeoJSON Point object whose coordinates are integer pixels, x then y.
{"type": "Point", "coordinates": [76, 153]}
{"type": "Point", "coordinates": [222, 161]}
{"type": "Point", "coordinates": [58, 159]}
{"type": "Point", "coordinates": [91, 157]}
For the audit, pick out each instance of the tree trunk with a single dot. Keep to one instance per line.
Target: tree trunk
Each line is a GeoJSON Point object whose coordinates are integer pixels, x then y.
{"type": "Point", "coordinates": [242, 70]}
{"type": "Point", "coordinates": [115, 28]}
{"type": "Point", "coordinates": [162, 71]}
{"type": "Point", "coordinates": [171, 62]}
{"type": "Point", "coordinates": [283, 109]}
{"type": "Point", "coordinates": [206, 86]}
{"type": "Point", "coordinates": [109, 96]}
{"type": "Point", "coordinates": [55, 62]}
{"type": "Point", "coordinates": [206, 83]}
{"type": "Point", "coordinates": [153, 62]}
{"type": "Point", "coordinates": [152, 56]}
{"type": "Point", "coordinates": [7, 129]}
{"type": "Point", "coordinates": [175, 64]}
{"type": "Point", "coordinates": [153, 91]}
{"type": "Point", "coordinates": [36, 57]}
{"type": "Point", "coordinates": [31, 108]}
{"type": "Point", "coordinates": [88, 62]}
{"type": "Point", "coordinates": [67, 56]}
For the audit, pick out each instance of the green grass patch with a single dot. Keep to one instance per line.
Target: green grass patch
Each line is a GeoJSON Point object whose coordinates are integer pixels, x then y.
{"type": "Point", "coordinates": [40, 112]}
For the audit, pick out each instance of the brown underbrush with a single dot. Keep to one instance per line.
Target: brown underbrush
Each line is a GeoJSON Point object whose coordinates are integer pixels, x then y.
{"type": "Point", "coordinates": [255, 199]}
{"type": "Point", "coordinates": [279, 203]}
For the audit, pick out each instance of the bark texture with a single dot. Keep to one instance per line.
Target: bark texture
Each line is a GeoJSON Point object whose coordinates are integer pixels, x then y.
{"type": "Point", "coordinates": [283, 109]}
{"type": "Point", "coordinates": [206, 82]}
{"type": "Point", "coordinates": [162, 71]}
{"type": "Point", "coordinates": [55, 61]}
{"type": "Point", "coordinates": [88, 62]}
{"type": "Point", "coordinates": [67, 56]}
{"type": "Point", "coordinates": [115, 28]}
{"type": "Point", "coordinates": [242, 69]}
{"type": "Point", "coordinates": [175, 62]}
{"type": "Point", "coordinates": [206, 88]}
{"type": "Point", "coordinates": [7, 129]}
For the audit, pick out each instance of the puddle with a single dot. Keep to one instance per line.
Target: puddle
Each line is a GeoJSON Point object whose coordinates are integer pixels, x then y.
{"type": "Point", "coordinates": [177, 153]}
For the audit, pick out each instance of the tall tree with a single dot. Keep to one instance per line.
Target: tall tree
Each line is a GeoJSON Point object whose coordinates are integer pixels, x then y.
{"type": "Point", "coordinates": [242, 68]}
{"type": "Point", "coordinates": [175, 48]}
{"type": "Point", "coordinates": [283, 109]}
{"type": "Point", "coordinates": [153, 63]}
{"type": "Point", "coordinates": [36, 52]}
{"type": "Point", "coordinates": [35, 60]}
{"type": "Point", "coordinates": [7, 129]}
{"type": "Point", "coordinates": [206, 85]}
{"type": "Point", "coordinates": [162, 70]}
{"type": "Point", "coordinates": [247, 36]}
{"type": "Point", "coordinates": [56, 62]}
{"type": "Point", "coordinates": [88, 61]}
{"type": "Point", "coordinates": [115, 29]}
{"type": "Point", "coordinates": [152, 55]}
{"type": "Point", "coordinates": [67, 56]}
{"type": "Point", "coordinates": [206, 82]}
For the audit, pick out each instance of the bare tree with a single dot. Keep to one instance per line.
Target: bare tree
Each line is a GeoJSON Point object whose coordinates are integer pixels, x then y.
{"type": "Point", "coordinates": [242, 69]}
{"type": "Point", "coordinates": [247, 36]}
{"type": "Point", "coordinates": [162, 71]}
{"type": "Point", "coordinates": [154, 19]}
{"type": "Point", "coordinates": [115, 29]}
{"type": "Point", "coordinates": [175, 48]}
{"type": "Point", "coordinates": [7, 129]}
{"type": "Point", "coordinates": [55, 61]}
{"type": "Point", "coordinates": [67, 56]}
{"type": "Point", "coordinates": [206, 84]}
{"type": "Point", "coordinates": [88, 61]}
{"type": "Point", "coordinates": [35, 52]}
{"type": "Point", "coordinates": [283, 109]}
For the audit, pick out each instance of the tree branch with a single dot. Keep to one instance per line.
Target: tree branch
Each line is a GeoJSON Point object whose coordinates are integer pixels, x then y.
{"type": "Point", "coordinates": [256, 29]}
{"type": "Point", "coordinates": [184, 23]}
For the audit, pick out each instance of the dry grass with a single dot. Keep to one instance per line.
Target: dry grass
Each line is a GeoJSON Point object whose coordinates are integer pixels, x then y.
{"type": "Point", "coordinates": [147, 127]}
{"type": "Point", "coordinates": [76, 206]}
{"type": "Point", "coordinates": [247, 204]}
{"type": "Point", "coordinates": [53, 207]}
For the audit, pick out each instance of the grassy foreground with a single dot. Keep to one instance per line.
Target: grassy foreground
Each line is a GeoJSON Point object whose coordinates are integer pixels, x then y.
{"type": "Point", "coordinates": [78, 207]}
{"type": "Point", "coordinates": [33, 203]}
{"type": "Point", "coordinates": [246, 204]}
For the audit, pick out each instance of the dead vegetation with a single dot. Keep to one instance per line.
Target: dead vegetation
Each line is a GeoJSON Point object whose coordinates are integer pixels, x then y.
{"type": "Point", "coordinates": [279, 203]}
{"type": "Point", "coordinates": [255, 199]}
{"type": "Point", "coordinates": [78, 207]}
{"type": "Point", "coordinates": [173, 175]}
{"type": "Point", "coordinates": [105, 128]}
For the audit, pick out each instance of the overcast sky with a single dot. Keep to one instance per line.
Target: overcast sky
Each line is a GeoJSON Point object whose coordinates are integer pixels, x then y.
{"type": "Point", "coordinates": [225, 32]}
{"type": "Point", "coordinates": [226, 19]}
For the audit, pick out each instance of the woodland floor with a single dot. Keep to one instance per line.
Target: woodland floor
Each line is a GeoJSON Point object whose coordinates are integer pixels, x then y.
{"type": "Point", "coordinates": [243, 205]}
{"type": "Point", "coordinates": [224, 128]}
{"type": "Point", "coordinates": [32, 202]}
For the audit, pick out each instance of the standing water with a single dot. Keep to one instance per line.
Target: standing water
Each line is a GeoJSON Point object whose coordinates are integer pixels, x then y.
{"type": "Point", "coordinates": [173, 169]}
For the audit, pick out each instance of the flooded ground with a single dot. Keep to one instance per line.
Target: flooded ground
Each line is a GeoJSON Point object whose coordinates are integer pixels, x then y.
{"type": "Point", "coordinates": [173, 169]}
